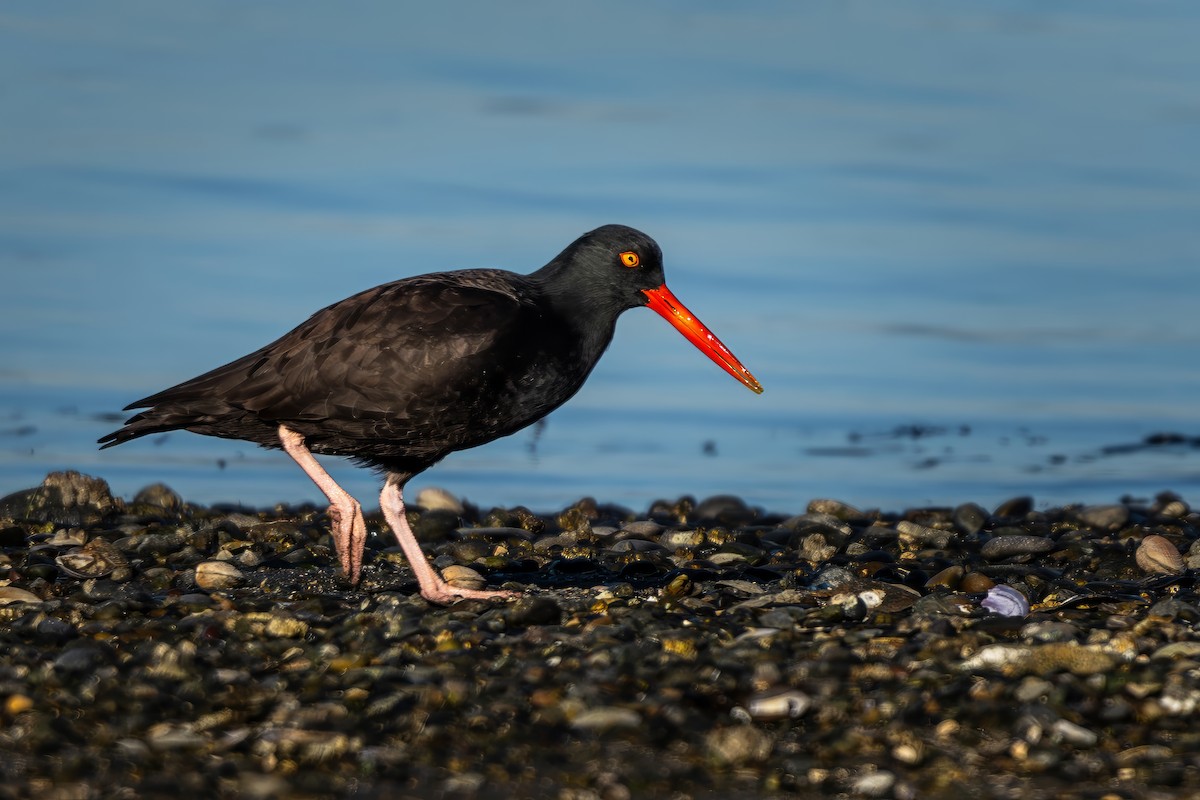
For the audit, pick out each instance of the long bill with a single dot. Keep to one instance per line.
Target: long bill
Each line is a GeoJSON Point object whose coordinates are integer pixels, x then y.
{"type": "Point", "coordinates": [676, 313]}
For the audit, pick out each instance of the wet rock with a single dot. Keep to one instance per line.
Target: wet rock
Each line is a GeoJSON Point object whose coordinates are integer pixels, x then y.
{"type": "Point", "coordinates": [739, 746]}
{"type": "Point", "coordinates": [160, 496]}
{"type": "Point", "coordinates": [970, 518]}
{"type": "Point", "coordinates": [874, 784]}
{"type": "Point", "coordinates": [533, 611]}
{"type": "Point", "coordinates": [1105, 517]}
{"type": "Point", "coordinates": [999, 547]}
{"type": "Point", "coordinates": [83, 659]}
{"type": "Point", "coordinates": [676, 539]}
{"type": "Point", "coordinates": [947, 578]}
{"type": "Point", "coordinates": [974, 582]}
{"type": "Point", "coordinates": [724, 510]}
{"type": "Point", "coordinates": [608, 718]}
{"type": "Point", "coordinates": [432, 498]}
{"type": "Point", "coordinates": [914, 536]}
{"type": "Point", "coordinates": [1015, 507]}
{"type": "Point", "coordinates": [643, 528]}
{"type": "Point", "coordinates": [64, 499]}
{"type": "Point", "coordinates": [787, 704]}
{"type": "Point", "coordinates": [836, 509]}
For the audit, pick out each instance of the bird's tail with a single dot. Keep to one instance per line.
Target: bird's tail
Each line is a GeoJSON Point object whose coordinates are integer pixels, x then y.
{"type": "Point", "coordinates": [158, 419]}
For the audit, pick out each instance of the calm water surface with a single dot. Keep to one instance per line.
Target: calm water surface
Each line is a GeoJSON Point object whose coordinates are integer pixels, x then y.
{"type": "Point", "coordinates": [957, 244]}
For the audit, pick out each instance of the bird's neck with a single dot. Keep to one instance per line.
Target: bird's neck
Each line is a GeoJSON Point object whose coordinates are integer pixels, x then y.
{"type": "Point", "coordinates": [590, 311]}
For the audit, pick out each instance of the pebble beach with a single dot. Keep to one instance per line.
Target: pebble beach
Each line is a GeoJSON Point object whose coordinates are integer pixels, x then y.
{"type": "Point", "coordinates": [697, 648]}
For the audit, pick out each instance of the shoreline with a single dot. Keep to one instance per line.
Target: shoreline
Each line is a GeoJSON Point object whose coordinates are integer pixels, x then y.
{"type": "Point", "coordinates": [694, 650]}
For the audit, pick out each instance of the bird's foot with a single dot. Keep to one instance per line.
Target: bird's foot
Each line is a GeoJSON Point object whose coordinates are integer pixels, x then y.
{"type": "Point", "coordinates": [349, 531]}
{"type": "Point", "coordinates": [444, 594]}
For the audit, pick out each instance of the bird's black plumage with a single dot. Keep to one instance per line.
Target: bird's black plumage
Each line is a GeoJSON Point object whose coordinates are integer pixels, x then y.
{"type": "Point", "coordinates": [399, 376]}
{"type": "Point", "coordinates": [402, 374]}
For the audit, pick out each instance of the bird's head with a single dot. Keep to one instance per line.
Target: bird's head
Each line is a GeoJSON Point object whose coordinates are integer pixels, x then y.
{"type": "Point", "coordinates": [615, 267]}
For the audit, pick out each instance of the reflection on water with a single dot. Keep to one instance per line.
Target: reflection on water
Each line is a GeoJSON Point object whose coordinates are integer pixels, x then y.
{"type": "Point", "coordinates": [969, 223]}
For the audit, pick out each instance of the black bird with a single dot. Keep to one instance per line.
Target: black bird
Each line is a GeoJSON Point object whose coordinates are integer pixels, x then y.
{"type": "Point", "coordinates": [399, 376]}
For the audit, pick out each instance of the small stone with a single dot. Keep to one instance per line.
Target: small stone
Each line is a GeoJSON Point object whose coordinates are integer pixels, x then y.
{"type": "Point", "coordinates": [637, 546]}
{"type": "Point", "coordinates": [286, 628]}
{"type": "Point", "coordinates": [1176, 650]}
{"type": "Point", "coordinates": [1007, 657]}
{"type": "Point", "coordinates": [495, 534]}
{"type": "Point", "coordinates": [647, 528]}
{"type": "Point", "coordinates": [1075, 735]}
{"type": "Point", "coordinates": [526, 611]}
{"type": "Point", "coordinates": [214, 575]}
{"type": "Point", "coordinates": [68, 499]}
{"type": "Point", "coordinates": [81, 659]}
{"type": "Point", "coordinates": [1104, 518]}
{"type": "Point", "coordinates": [999, 547]}
{"type": "Point", "coordinates": [739, 745]}
{"type": "Point", "coordinates": [1015, 507]}
{"type": "Point", "coordinates": [914, 536]}
{"type": "Point", "coordinates": [159, 495]}
{"type": "Point", "coordinates": [606, 718]}
{"type": "Point", "coordinates": [789, 704]}
{"type": "Point", "coordinates": [723, 509]}
{"type": "Point", "coordinates": [1032, 688]}
{"type": "Point", "coordinates": [970, 518]}
{"type": "Point", "coordinates": [947, 578]}
{"type": "Point", "coordinates": [1068, 657]}
{"type": "Point", "coordinates": [874, 784]}
{"type": "Point", "coordinates": [835, 508]}
{"type": "Point", "coordinates": [814, 549]}
{"type": "Point", "coordinates": [1156, 554]}
{"type": "Point", "coordinates": [433, 498]}
{"type": "Point", "coordinates": [677, 539]}
{"type": "Point", "coordinates": [974, 582]}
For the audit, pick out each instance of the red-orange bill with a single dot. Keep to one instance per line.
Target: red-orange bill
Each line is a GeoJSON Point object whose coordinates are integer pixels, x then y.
{"type": "Point", "coordinates": [676, 313]}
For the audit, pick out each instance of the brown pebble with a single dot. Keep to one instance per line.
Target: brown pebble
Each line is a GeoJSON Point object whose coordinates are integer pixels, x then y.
{"type": "Point", "coordinates": [976, 582]}
{"type": "Point", "coordinates": [948, 578]}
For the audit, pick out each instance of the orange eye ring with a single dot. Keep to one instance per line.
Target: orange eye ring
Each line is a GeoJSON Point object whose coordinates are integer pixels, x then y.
{"type": "Point", "coordinates": [630, 258]}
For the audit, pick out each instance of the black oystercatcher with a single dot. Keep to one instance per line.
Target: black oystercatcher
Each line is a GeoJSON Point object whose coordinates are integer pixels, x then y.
{"type": "Point", "coordinates": [399, 376]}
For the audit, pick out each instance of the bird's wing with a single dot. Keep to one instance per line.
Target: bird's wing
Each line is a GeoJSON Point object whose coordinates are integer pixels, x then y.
{"type": "Point", "coordinates": [372, 357]}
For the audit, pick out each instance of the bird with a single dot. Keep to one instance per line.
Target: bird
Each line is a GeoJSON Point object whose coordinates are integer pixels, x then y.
{"type": "Point", "coordinates": [399, 376]}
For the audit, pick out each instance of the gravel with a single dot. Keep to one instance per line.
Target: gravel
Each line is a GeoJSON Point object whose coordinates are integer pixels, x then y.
{"type": "Point", "coordinates": [705, 649]}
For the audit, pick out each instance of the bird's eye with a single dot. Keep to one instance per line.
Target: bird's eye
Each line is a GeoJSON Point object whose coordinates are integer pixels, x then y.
{"type": "Point", "coordinates": [630, 258]}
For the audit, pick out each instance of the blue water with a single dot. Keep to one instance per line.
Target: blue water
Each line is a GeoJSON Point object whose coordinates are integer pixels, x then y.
{"type": "Point", "coordinates": [976, 220]}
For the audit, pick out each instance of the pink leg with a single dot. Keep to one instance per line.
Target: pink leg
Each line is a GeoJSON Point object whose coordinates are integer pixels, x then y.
{"type": "Point", "coordinates": [433, 588]}
{"type": "Point", "coordinates": [349, 529]}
